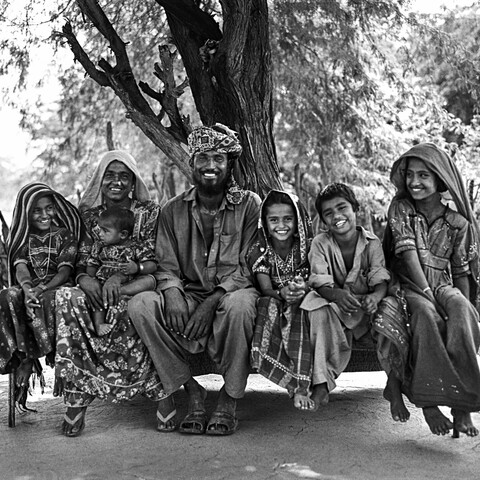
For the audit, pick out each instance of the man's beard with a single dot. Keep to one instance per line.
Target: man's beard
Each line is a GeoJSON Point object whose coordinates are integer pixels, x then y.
{"type": "Point", "coordinates": [210, 190]}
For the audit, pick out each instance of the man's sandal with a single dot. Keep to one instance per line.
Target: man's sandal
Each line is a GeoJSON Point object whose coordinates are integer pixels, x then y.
{"type": "Point", "coordinates": [193, 420]}
{"type": "Point", "coordinates": [162, 422]}
{"type": "Point", "coordinates": [222, 423]}
{"type": "Point", "coordinates": [74, 427]}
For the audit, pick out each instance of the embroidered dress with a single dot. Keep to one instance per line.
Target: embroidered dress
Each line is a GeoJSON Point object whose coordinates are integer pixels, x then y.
{"type": "Point", "coordinates": [443, 352]}
{"type": "Point", "coordinates": [281, 345]}
{"type": "Point", "coordinates": [21, 336]}
{"type": "Point", "coordinates": [110, 258]}
{"type": "Point", "coordinates": [115, 366]}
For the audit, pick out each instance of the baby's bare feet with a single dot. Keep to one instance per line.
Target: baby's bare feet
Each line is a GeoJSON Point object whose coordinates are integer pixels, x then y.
{"type": "Point", "coordinates": [103, 329]}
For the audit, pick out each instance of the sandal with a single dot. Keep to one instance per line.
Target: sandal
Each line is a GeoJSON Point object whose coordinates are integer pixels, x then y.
{"type": "Point", "coordinates": [74, 427]}
{"type": "Point", "coordinates": [162, 422]}
{"type": "Point", "coordinates": [192, 421]}
{"type": "Point", "coordinates": [219, 420]}
{"type": "Point", "coordinates": [171, 413]}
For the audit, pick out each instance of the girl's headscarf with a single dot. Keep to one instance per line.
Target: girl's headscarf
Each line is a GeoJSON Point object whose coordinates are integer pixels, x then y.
{"type": "Point", "coordinates": [67, 215]}
{"type": "Point", "coordinates": [439, 162]}
{"type": "Point", "coordinates": [261, 244]}
{"type": "Point", "coordinates": [92, 196]}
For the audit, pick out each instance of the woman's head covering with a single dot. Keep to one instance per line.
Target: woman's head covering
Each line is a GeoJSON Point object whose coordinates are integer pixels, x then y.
{"type": "Point", "coordinates": [261, 245]}
{"type": "Point", "coordinates": [67, 214]}
{"type": "Point", "coordinates": [440, 163]}
{"type": "Point", "coordinates": [92, 196]}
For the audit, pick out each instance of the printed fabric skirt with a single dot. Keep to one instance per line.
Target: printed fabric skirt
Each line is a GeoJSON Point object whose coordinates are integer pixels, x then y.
{"type": "Point", "coordinates": [24, 337]}
{"type": "Point", "coordinates": [116, 366]}
{"type": "Point", "coordinates": [281, 346]}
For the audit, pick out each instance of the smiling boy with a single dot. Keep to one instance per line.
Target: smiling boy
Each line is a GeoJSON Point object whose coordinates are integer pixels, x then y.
{"type": "Point", "coordinates": [348, 280]}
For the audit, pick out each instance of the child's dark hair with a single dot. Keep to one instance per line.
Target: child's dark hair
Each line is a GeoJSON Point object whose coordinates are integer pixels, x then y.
{"type": "Point", "coordinates": [120, 217]}
{"type": "Point", "coordinates": [273, 198]}
{"type": "Point", "coordinates": [334, 190]}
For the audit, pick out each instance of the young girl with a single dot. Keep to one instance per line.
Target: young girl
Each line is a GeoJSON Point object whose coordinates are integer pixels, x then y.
{"type": "Point", "coordinates": [42, 248]}
{"type": "Point", "coordinates": [115, 252]}
{"type": "Point", "coordinates": [435, 255]}
{"type": "Point", "coordinates": [278, 259]}
{"type": "Point", "coordinates": [348, 278]}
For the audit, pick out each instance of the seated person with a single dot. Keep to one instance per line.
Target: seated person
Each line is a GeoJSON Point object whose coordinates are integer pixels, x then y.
{"type": "Point", "coordinates": [348, 278]}
{"type": "Point", "coordinates": [116, 251]}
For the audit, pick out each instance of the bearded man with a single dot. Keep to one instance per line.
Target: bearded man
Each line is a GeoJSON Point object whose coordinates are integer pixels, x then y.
{"type": "Point", "coordinates": [205, 300]}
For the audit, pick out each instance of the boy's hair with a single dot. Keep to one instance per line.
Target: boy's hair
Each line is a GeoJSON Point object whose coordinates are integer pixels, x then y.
{"type": "Point", "coordinates": [121, 218]}
{"type": "Point", "coordinates": [334, 190]}
{"type": "Point", "coordinates": [273, 199]}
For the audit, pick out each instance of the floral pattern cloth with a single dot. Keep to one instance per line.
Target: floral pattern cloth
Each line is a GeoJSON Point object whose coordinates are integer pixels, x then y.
{"type": "Point", "coordinates": [116, 366]}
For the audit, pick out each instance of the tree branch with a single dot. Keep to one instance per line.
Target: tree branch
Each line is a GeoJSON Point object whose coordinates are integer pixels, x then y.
{"type": "Point", "coordinates": [82, 57]}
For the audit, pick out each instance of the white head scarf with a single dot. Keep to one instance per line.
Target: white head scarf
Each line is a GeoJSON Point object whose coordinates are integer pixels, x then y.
{"type": "Point", "coordinates": [92, 196]}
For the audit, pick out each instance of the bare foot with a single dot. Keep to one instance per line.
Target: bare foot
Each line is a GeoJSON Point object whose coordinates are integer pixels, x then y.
{"type": "Point", "coordinates": [24, 371]}
{"type": "Point", "coordinates": [320, 395]}
{"type": "Point", "coordinates": [302, 402]}
{"type": "Point", "coordinates": [462, 422]}
{"type": "Point", "coordinates": [439, 424]}
{"type": "Point", "coordinates": [166, 415]}
{"type": "Point", "coordinates": [393, 393]}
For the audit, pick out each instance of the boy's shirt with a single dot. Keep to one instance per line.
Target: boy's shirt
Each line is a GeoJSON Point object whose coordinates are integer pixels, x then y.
{"type": "Point", "coordinates": [328, 269]}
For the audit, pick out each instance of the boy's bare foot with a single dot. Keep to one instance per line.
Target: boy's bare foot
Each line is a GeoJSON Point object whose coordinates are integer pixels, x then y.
{"type": "Point", "coordinates": [24, 371]}
{"type": "Point", "coordinates": [195, 422]}
{"type": "Point", "coordinates": [166, 415]}
{"type": "Point", "coordinates": [302, 402]}
{"type": "Point", "coordinates": [439, 424]}
{"type": "Point", "coordinates": [393, 393]}
{"type": "Point", "coordinates": [320, 395]}
{"type": "Point", "coordinates": [462, 422]}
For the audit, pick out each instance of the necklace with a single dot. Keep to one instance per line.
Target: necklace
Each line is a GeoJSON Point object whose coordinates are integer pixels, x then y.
{"type": "Point", "coordinates": [37, 266]}
{"type": "Point", "coordinates": [288, 259]}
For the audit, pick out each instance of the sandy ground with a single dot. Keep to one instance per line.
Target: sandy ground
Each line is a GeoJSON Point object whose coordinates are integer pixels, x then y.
{"type": "Point", "coordinates": [353, 438]}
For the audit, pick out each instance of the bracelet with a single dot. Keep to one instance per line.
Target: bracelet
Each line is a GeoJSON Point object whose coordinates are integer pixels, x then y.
{"type": "Point", "coordinates": [141, 267]}
{"type": "Point", "coordinates": [425, 289]}
{"type": "Point", "coordinates": [25, 282]}
{"type": "Point", "coordinates": [79, 276]}
{"type": "Point", "coordinates": [42, 287]}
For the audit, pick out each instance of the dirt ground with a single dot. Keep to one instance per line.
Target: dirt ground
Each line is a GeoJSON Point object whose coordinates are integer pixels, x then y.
{"type": "Point", "coordinates": [353, 438]}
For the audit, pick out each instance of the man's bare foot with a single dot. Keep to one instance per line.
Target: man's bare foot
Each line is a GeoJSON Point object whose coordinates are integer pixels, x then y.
{"type": "Point", "coordinates": [462, 422]}
{"type": "Point", "coordinates": [302, 402]}
{"type": "Point", "coordinates": [166, 415]}
{"type": "Point", "coordinates": [439, 424]}
{"type": "Point", "coordinates": [195, 422]}
{"type": "Point", "coordinates": [393, 393]}
{"type": "Point", "coordinates": [223, 420]}
{"type": "Point", "coordinates": [320, 395]}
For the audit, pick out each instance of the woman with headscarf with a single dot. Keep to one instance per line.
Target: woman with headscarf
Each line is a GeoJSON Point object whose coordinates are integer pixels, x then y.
{"type": "Point", "coordinates": [115, 366]}
{"type": "Point", "coordinates": [434, 253]}
{"type": "Point", "coordinates": [278, 259]}
{"type": "Point", "coordinates": [41, 253]}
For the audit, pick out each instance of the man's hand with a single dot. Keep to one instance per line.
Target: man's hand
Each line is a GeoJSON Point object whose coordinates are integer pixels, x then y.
{"type": "Point", "coordinates": [201, 321]}
{"type": "Point", "coordinates": [93, 291]}
{"type": "Point", "coordinates": [176, 310]}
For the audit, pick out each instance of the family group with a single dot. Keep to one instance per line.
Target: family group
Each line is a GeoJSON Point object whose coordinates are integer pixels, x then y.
{"type": "Point", "coordinates": [117, 293]}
